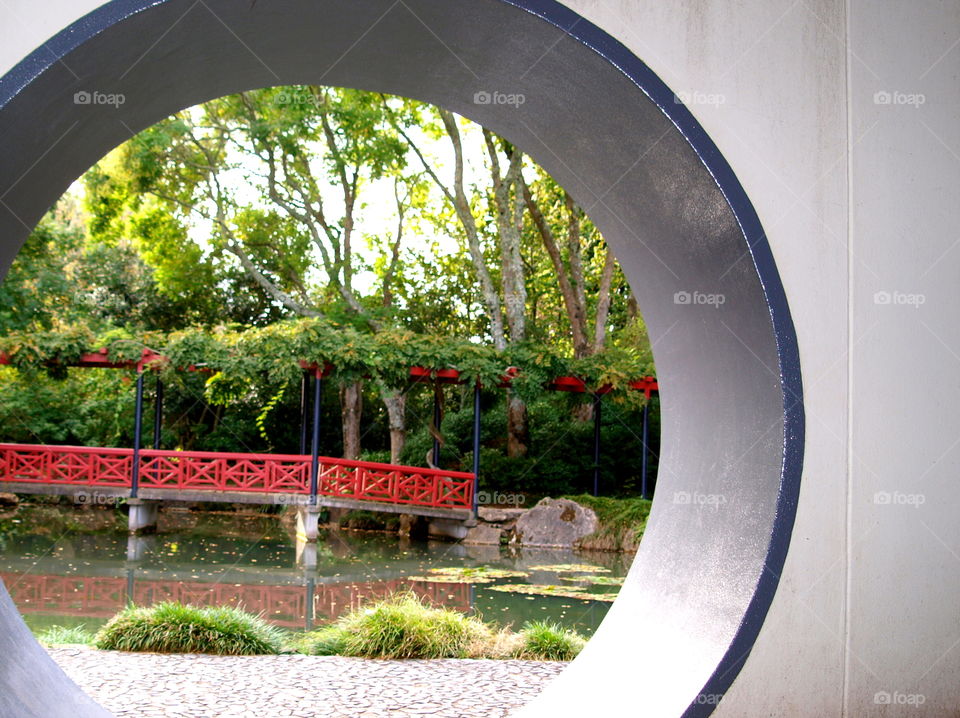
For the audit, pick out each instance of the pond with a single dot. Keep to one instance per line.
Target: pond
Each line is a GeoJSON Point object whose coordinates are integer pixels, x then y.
{"type": "Point", "coordinates": [76, 566]}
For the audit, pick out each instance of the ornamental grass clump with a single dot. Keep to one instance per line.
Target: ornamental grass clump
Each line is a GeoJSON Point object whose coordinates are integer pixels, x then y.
{"type": "Point", "coordinates": [66, 636]}
{"type": "Point", "coordinates": [402, 626]}
{"type": "Point", "coordinates": [545, 641]}
{"type": "Point", "coordinates": [176, 628]}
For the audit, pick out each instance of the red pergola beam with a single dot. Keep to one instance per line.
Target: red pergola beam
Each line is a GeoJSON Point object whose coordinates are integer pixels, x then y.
{"type": "Point", "coordinates": [443, 376]}
{"type": "Point", "coordinates": [318, 371]}
{"type": "Point", "coordinates": [101, 360]}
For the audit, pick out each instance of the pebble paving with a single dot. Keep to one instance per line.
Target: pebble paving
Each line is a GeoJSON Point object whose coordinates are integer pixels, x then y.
{"type": "Point", "coordinates": [149, 685]}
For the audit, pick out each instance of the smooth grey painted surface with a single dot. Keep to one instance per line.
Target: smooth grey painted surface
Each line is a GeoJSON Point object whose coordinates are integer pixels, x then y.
{"type": "Point", "coordinates": [31, 685]}
{"type": "Point", "coordinates": [903, 639]}
{"type": "Point", "coordinates": [846, 189]}
{"type": "Point", "coordinates": [692, 595]}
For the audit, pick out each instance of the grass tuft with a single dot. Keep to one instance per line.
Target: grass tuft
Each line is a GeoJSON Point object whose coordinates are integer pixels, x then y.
{"type": "Point", "coordinates": [326, 641]}
{"type": "Point", "coordinates": [176, 628]}
{"type": "Point", "coordinates": [545, 641]}
{"type": "Point", "coordinates": [63, 636]}
{"type": "Point", "coordinates": [401, 626]}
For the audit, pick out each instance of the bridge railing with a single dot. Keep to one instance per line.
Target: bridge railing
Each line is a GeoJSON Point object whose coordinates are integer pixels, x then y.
{"type": "Point", "coordinates": [215, 471]}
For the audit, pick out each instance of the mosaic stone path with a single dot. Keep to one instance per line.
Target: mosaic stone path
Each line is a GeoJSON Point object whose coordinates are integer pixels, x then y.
{"type": "Point", "coordinates": [187, 686]}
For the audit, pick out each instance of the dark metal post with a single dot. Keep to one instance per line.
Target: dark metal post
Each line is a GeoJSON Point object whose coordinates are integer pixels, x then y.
{"type": "Point", "coordinates": [596, 444]}
{"type": "Point", "coordinates": [437, 396]}
{"type": "Point", "coordinates": [476, 448]}
{"type": "Point", "coordinates": [315, 443]}
{"type": "Point", "coordinates": [304, 411]}
{"type": "Point", "coordinates": [643, 463]}
{"type": "Point", "coordinates": [311, 590]}
{"type": "Point", "coordinates": [158, 414]}
{"type": "Point", "coordinates": [137, 438]}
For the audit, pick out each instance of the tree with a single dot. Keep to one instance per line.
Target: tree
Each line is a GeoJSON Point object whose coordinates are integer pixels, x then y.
{"type": "Point", "coordinates": [507, 316]}
{"type": "Point", "coordinates": [306, 154]}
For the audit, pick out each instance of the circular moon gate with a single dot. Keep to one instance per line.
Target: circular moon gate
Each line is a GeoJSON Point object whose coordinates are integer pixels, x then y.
{"type": "Point", "coordinates": [606, 127]}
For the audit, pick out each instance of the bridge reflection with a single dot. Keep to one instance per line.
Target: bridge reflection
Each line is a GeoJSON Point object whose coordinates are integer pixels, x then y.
{"type": "Point", "coordinates": [295, 598]}
{"type": "Point", "coordinates": [291, 606]}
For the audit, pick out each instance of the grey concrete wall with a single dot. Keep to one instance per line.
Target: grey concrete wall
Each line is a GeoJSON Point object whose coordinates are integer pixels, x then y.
{"type": "Point", "coordinates": [767, 81]}
{"type": "Point", "coordinates": [859, 198]}
{"type": "Point", "coordinates": [903, 551]}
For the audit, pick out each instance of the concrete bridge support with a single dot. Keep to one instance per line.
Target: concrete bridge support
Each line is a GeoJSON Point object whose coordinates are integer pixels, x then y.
{"type": "Point", "coordinates": [308, 523]}
{"type": "Point", "coordinates": [788, 220]}
{"type": "Point", "coordinates": [143, 515]}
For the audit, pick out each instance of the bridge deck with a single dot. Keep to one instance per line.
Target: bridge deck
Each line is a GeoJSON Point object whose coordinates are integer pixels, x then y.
{"type": "Point", "coordinates": [90, 473]}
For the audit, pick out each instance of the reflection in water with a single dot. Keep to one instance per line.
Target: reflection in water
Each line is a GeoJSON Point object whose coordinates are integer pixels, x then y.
{"type": "Point", "coordinates": [74, 567]}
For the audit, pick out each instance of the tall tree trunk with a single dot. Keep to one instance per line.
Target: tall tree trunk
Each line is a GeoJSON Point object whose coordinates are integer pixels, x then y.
{"type": "Point", "coordinates": [518, 436]}
{"type": "Point", "coordinates": [396, 403]}
{"type": "Point", "coordinates": [603, 303]}
{"type": "Point", "coordinates": [575, 312]}
{"type": "Point", "coordinates": [351, 409]}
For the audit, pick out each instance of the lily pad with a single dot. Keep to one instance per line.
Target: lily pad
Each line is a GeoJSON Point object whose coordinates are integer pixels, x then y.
{"type": "Point", "coordinates": [571, 568]}
{"type": "Point", "coordinates": [466, 574]}
{"type": "Point", "coordinates": [596, 580]}
{"type": "Point", "coordinates": [560, 591]}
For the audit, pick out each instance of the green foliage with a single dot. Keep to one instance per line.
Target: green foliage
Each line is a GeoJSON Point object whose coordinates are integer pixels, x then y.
{"type": "Point", "coordinates": [401, 627]}
{"type": "Point", "coordinates": [617, 516]}
{"type": "Point", "coordinates": [326, 641]}
{"type": "Point", "coordinates": [281, 177]}
{"type": "Point", "coordinates": [273, 353]}
{"type": "Point", "coordinates": [63, 635]}
{"type": "Point", "coordinates": [80, 409]}
{"type": "Point", "coordinates": [545, 641]}
{"type": "Point", "coordinates": [175, 628]}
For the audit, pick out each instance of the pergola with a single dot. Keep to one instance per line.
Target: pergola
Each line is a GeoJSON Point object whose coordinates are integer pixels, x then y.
{"type": "Point", "coordinates": [310, 405]}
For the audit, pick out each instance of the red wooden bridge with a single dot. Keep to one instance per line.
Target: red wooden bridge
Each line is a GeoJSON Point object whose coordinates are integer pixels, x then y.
{"type": "Point", "coordinates": [242, 478]}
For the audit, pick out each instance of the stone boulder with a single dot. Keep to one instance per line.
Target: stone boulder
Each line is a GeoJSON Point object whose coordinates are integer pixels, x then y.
{"type": "Point", "coordinates": [498, 515]}
{"type": "Point", "coordinates": [8, 500]}
{"type": "Point", "coordinates": [483, 534]}
{"type": "Point", "coordinates": [556, 523]}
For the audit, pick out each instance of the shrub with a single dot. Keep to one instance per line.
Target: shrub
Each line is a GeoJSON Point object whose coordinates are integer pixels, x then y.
{"type": "Point", "coordinates": [402, 626]}
{"type": "Point", "coordinates": [175, 628]}
{"type": "Point", "coordinates": [63, 635]}
{"type": "Point", "coordinates": [545, 641]}
{"type": "Point", "coordinates": [326, 641]}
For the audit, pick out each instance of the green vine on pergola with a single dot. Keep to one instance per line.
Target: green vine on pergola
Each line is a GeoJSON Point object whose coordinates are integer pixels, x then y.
{"type": "Point", "coordinates": [272, 355]}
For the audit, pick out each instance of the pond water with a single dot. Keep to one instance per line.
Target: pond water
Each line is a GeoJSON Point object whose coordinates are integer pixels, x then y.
{"type": "Point", "coordinates": [68, 567]}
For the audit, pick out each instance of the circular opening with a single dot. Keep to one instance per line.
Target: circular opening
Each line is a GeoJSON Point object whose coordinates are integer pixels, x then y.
{"type": "Point", "coordinates": [608, 130]}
